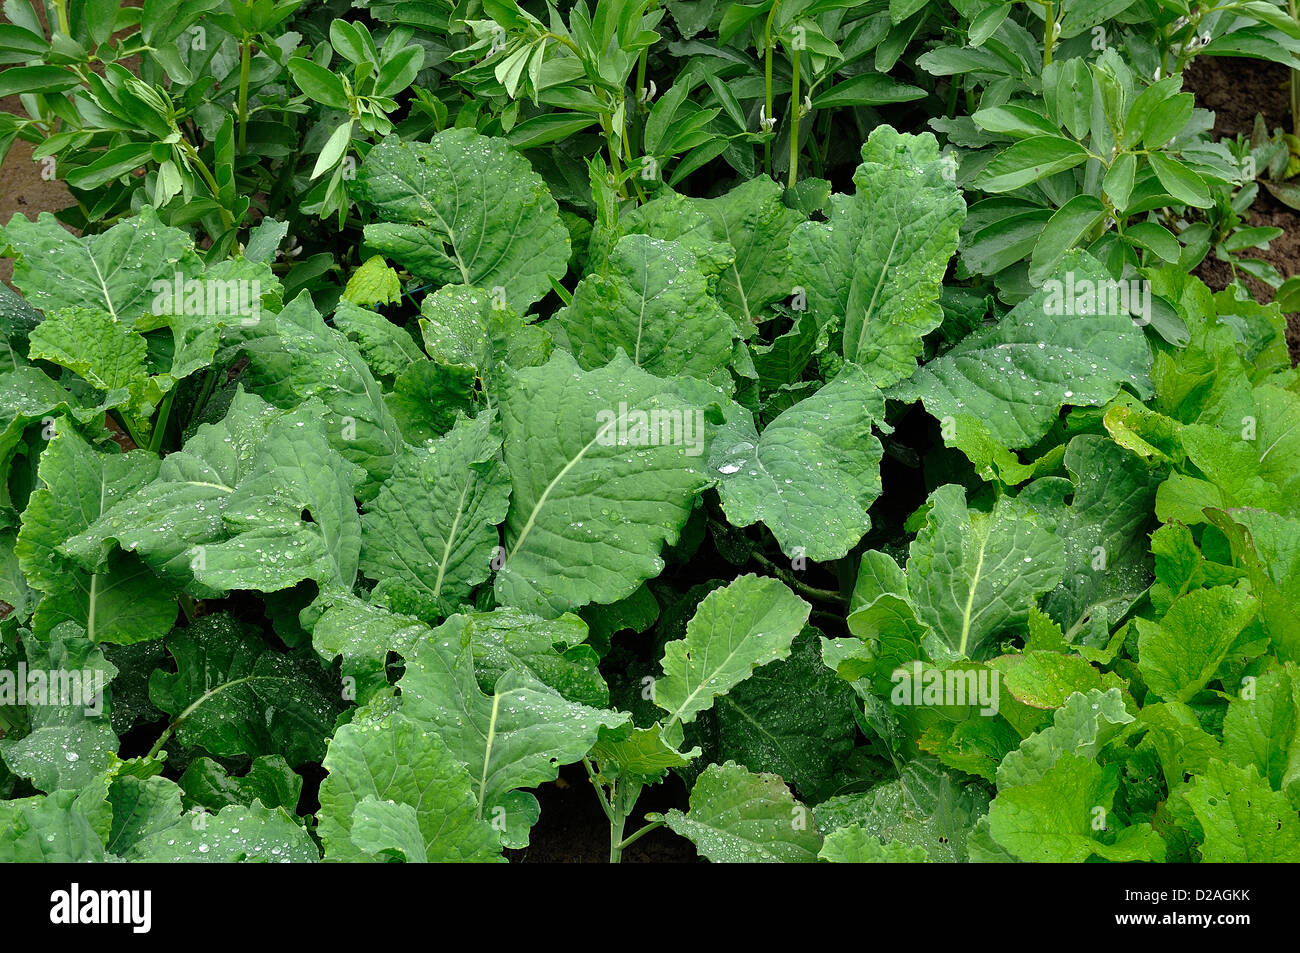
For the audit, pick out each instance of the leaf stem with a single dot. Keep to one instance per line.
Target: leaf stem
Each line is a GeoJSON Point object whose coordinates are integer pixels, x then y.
{"type": "Point", "coordinates": [155, 442]}
{"type": "Point", "coordinates": [632, 839]}
{"type": "Point", "coordinates": [822, 595]}
{"type": "Point", "coordinates": [600, 791]}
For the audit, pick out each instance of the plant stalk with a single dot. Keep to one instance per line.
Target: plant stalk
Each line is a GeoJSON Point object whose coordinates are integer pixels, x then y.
{"type": "Point", "coordinates": [767, 81]}
{"type": "Point", "coordinates": [245, 66]}
{"type": "Point", "coordinates": [796, 108]}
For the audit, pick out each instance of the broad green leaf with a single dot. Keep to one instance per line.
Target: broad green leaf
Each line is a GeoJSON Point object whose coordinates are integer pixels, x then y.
{"type": "Point", "coordinates": [1104, 529]}
{"type": "Point", "coordinates": [232, 695]}
{"type": "Point", "coordinates": [389, 830]}
{"type": "Point", "coordinates": [792, 718]}
{"type": "Point", "coordinates": [739, 817]}
{"type": "Point", "coordinates": [735, 630]}
{"type": "Point", "coordinates": [70, 739]}
{"type": "Point", "coordinates": [473, 329]}
{"type": "Point", "coordinates": [114, 271]}
{"type": "Point", "coordinates": [120, 601]}
{"type": "Point", "coordinates": [374, 283]}
{"type": "Point", "coordinates": [387, 348]}
{"type": "Point", "coordinates": [1081, 727]}
{"type": "Point", "coordinates": [974, 575]}
{"type": "Point", "coordinates": [55, 828]}
{"type": "Point", "coordinates": [432, 528]}
{"type": "Point", "coordinates": [516, 737]}
{"type": "Point", "coordinates": [812, 473]}
{"type": "Point", "coordinates": [857, 845]}
{"type": "Point", "coordinates": [427, 397]}
{"type": "Point", "coordinates": [1180, 181]}
{"type": "Point", "coordinates": [1069, 226]}
{"type": "Point", "coordinates": [551, 650]}
{"type": "Point", "coordinates": [1267, 547]}
{"type": "Point", "coordinates": [237, 834]}
{"type": "Point", "coordinates": [1029, 160]}
{"type": "Point", "coordinates": [879, 261]}
{"type": "Point", "coordinates": [363, 634]}
{"type": "Point", "coordinates": [652, 302]}
{"type": "Point", "coordinates": [1244, 820]}
{"type": "Point", "coordinates": [1065, 817]}
{"type": "Point", "coordinates": [1252, 462]}
{"type": "Point", "coordinates": [1260, 728]}
{"type": "Point", "coordinates": [464, 208]}
{"type": "Point", "coordinates": [604, 467]}
{"type": "Point", "coordinates": [1045, 679]}
{"type": "Point", "coordinates": [925, 809]}
{"type": "Point", "coordinates": [141, 807]}
{"type": "Point", "coordinates": [1071, 343]}
{"type": "Point", "coordinates": [756, 223]}
{"type": "Point", "coordinates": [107, 353]}
{"type": "Point", "coordinates": [269, 780]}
{"type": "Point", "coordinates": [395, 759]}
{"type": "Point", "coordinates": [226, 511]}
{"type": "Point", "coordinates": [642, 753]}
{"type": "Point", "coordinates": [294, 356]}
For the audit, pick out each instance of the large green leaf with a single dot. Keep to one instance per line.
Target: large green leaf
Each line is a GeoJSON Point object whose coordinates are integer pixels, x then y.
{"type": "Point", "coordinates": [393, 759]}
{"type": "Point", "coordinates": [120, 600]}
{"type": "Point", "coordinates": [734, 630]}
{"type": "Point", "coordinates": [294, 356]}
{"type": "Point", "coordinates": [652, 302]}
{"type": "Point", "coordinates": [232, 695]}
{"type": "Point", "coordinates": [516, 737]}
{"type": "Point", "coordinates": [227, 510]}
{"type": "Point", "coordinates": [432, 528]}
{"type": "Point", "coordinates": [236, 834]}
{"type": "Point", "coordinates": [70, 738]}
{"type": "Point", "coordinates": [793, 718]}
{"type": "Point", "coordinates": [757, 224]}
{"type": "Point", "coordinates": [363, 634]}
{"type": "Point", "coordinates": [812, 473]}
{"type": "Point", "coordinates": [973, 575]}
{"type": "Point", "coordinates": [464, 208]}
{"type": "Point", "coordinates": [739, 817]}
{"type": "Point", "coordinates": [879, 262]}
{"type": "Point", "coordinates": [1260, 728]}
{"type": "Point", "coordinates": [1047, 353]}
{"type": "Point", "coordinates": [551, 650]}
{"type": "Point", "coordinates": [1104, 528]}
{"type": "Point", "coordinates": [588, 489]}
{"type": "Point", "coordinates": [1180, 654]}
{"type": "Point", "coordinates": [1244, 820]}
{"type": "Point", "coordinates": [113, 271]}
{"type": "Point", "coordinates": [925, 809]}
{"type": "Point", "coordinates": [55, 828]}
{"type": "Point", "coordinates": [1065, 817]}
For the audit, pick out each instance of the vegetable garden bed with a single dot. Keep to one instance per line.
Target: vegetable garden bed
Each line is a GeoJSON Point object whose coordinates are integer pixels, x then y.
{"type": "Point", "coordinates": [789, 431]}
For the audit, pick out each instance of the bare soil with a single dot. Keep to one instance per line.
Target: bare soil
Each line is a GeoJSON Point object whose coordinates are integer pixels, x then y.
{"type": "Point", "coordinates": [1237, 89]}
{"type": "Point", "coordinates": [22, 189]}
